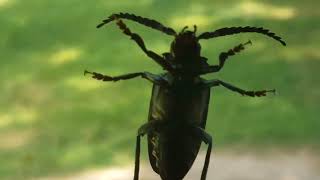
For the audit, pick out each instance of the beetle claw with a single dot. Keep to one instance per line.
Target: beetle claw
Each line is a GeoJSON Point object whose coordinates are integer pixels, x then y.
{"type": "Point", "coordinates": [86, 72]}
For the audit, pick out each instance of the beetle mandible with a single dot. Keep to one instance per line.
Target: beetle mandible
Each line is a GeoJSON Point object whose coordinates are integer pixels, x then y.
{"type": "Point", "coordinates": [180, 97]}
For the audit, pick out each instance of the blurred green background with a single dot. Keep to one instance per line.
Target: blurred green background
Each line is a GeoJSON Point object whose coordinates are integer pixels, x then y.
{"type": "Point", "coordinates": [54, 120]}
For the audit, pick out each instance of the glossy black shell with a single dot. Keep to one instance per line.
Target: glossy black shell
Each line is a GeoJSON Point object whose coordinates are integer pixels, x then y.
{"type": "Point", "coordinates": [173, 150]}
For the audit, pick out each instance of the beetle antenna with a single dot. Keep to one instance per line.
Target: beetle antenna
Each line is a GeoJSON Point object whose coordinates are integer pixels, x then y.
{"type": "Point", "coordinates": [144, 21]}
{"type": "Point", "coordinates": [183, 29]}
{"type": "Point", "coordinates": [194, 29]}
{"type": "Point", "coordinates": [236, 30]}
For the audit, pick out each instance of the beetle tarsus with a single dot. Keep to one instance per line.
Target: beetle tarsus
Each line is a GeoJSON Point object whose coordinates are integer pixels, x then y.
{"type": "Point", "coordinates": [248, 42]}
{"type": "Point", "coordinates": [86, 72]}
{"type": "Point", "coordinates": [99, 76]}
{"type": "Point", "coordinates": [258, 93]}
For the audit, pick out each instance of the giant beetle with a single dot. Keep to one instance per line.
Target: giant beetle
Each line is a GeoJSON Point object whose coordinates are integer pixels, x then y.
{"type": "Point", "coordinates": [180, 97]}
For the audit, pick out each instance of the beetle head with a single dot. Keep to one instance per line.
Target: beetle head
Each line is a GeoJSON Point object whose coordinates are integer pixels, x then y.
{"type": "Point", "coordinates": [185, 48]}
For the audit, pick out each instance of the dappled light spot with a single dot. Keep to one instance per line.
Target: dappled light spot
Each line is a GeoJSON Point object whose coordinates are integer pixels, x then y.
{"type": "Point", "coordinates": [84, 83]}
{"type": "Point", "coordinates": [4, 3]}
{"type": "Point", "coordinates": [14, 139]}
{"type": "Point", "coordinates": [190, 20]}
{"type": "Point", "coordinates": [18, 115]}
{"type": "Point", "coordinates": [302, 53]}
{"type": "Point", "coordinates": [5, 120]}
{"type": "Point", "coordinates": [263, 10]}
{"type": "Point", "coordinates": [122, 173]}
{"type": "Point", "coordinates": [65, 55]}
{"type": "Point", "coordinates": [111, 173]}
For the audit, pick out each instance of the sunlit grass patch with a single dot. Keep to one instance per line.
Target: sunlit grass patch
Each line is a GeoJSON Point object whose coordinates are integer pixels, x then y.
{"type": "Point", "coordinates": [264, 10]}
{"type": "Point", "coordinates": [190, 20]}
{"type": "Point", "coordinates": [15, 139]}
{"type": "Point", "coordinates": [18, 115]}
{"type": "Point", "coordinates": [84, 83]}
{"type": "Point", "coordinates": [65, 55]}
{"type": "Point", "coordinates": [300, 53]}
{"type": "Point", "coordinates": [4, 3]}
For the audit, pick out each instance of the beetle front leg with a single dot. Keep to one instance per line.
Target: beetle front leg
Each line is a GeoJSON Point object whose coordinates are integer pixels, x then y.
{"type": "Point", "coordinates": [224, 56]}
{"type": "Point", "coordinates": [206, 138]}
{"type": "Point", "coordinates": [260, 93]}
{"type": "Point", "coordinates": [146, 75]}
{"type": "Point", "coordinates": [162, 62]}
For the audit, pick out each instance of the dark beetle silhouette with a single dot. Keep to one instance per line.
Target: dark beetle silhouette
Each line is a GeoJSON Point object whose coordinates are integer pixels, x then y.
{"type": "Point", "coordinates": [180, 97]}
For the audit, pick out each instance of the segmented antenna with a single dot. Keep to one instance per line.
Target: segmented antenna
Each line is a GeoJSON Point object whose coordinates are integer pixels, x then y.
{"type": "Point", "coordinates": [145, 21]}
{"type": "Point", "coordinates": [236, 30]}
{"type": "Point", "coordinates": [183, 29]}
{"type": "Point", "coordinates": [195, 29]}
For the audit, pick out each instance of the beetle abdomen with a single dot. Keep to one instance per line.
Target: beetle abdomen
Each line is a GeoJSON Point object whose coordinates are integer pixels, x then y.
{"type": "Point", "coordinates": [178, 149]}
{"type": "Point", "coordinates": [173, 150]}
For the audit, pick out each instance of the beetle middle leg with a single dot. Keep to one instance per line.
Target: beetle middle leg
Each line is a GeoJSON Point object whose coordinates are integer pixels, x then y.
{"type": "Point", "coordinates": [146, 75]}
{"type": "Point", "coordinates": [150, 127]}
{"type": "Point", "coordinates": [224, 56]}
{"type": "Point", "coordinates": [217, 82]}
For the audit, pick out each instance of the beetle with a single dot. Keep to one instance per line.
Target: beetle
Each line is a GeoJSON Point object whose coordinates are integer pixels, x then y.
{"type": "Point", "coordinates": [180, 97]}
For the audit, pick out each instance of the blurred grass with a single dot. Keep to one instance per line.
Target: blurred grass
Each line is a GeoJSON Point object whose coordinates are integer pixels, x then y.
{"type": "Point", "coordinates": [53, 120]}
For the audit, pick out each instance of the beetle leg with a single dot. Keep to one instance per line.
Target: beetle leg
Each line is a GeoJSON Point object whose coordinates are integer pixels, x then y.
{"type": "Point", "coordinates": [146, 128]}
{"type": "Point", "coordinates": [137, 159]}
{"type": "Point", "coordinates": [146, 75]}
{"type": "Point", "coordinates": [260, 93]}
{"type": "Point", "coordinates": [206, 138]}
{"type": "Point", "coordinates": [224, 56]}
{"type": "Point", "coordinates": [162, 62]}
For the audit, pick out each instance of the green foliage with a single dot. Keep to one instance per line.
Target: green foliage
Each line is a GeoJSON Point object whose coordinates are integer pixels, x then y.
{"type": "Point", "coordinates": [55, 120]}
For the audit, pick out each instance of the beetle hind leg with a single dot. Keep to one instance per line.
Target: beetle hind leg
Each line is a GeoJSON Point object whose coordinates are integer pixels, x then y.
{"type": "Point", "coordinates": [206, 138]}
{"type": "Point", "coordinates": [143, 130]}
